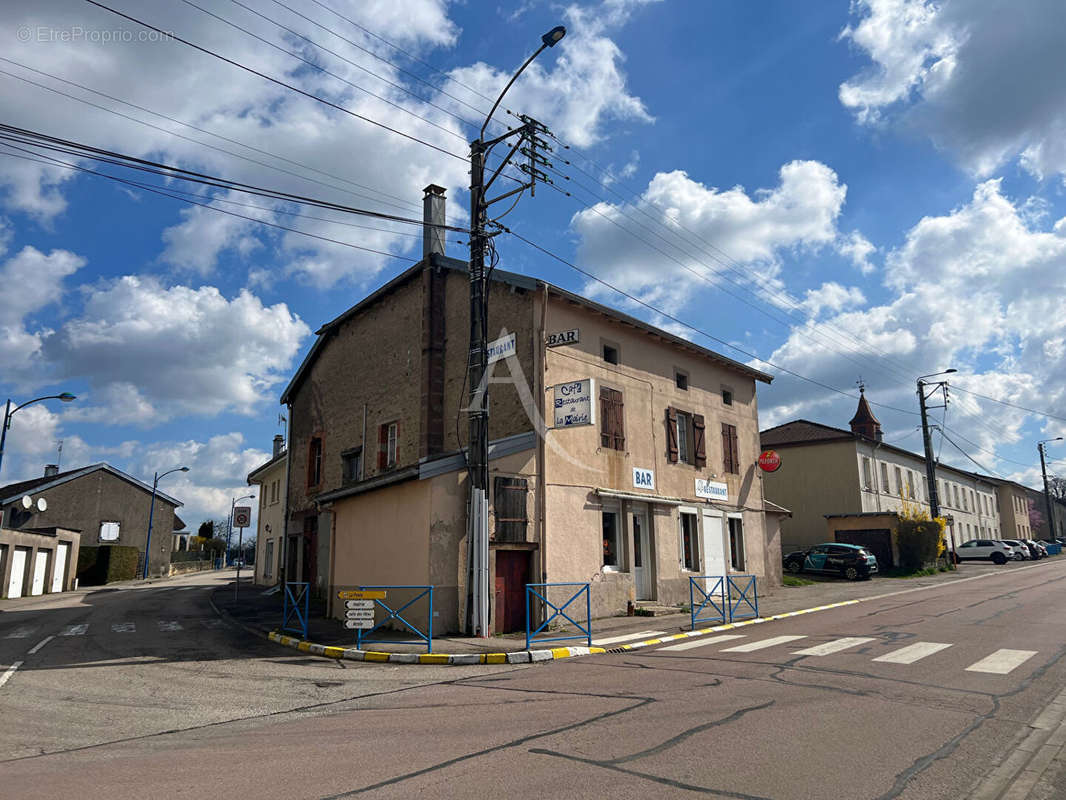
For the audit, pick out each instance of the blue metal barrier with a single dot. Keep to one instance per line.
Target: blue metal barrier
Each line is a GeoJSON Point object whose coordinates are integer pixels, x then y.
{"type": "Point", "coordinates": [424, 637]}
{"type": "Point", "coordinates": [296, 594]}
{"type": "Point", "coordinates": [743, 596]}
{"type": "Point", "coordinates": [713, 599]}
{"type": "Point", "coordinates": [559, 611]}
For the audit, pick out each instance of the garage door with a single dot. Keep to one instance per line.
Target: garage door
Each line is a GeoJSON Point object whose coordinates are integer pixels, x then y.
{"type": "Point", "coordinates": [60, 573]}
{"type": "Point", "coordinates": [40, 570]}
{"type": "Point", "coordinates": [18, 571]}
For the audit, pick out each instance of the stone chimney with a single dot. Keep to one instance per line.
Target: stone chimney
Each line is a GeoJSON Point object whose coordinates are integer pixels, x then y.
{"type": "Point", "coordinates": [433, 218]}
{"type": "Point", "coordinates": [279, 445]}
{"type": "Point", "coordinates": [50, 470]}
{"type": "Point", "coordinates": [864, 423]}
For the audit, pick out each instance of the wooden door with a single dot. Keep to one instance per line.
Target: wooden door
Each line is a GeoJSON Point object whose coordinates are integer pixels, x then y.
{"type": "Point", "coordinates": [512, 574]}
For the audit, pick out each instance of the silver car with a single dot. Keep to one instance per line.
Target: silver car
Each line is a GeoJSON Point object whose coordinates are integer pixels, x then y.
{"type": "Point", "coordinates": [985, 549]}
{"type": "Point", "coordinates": [1020, 548]}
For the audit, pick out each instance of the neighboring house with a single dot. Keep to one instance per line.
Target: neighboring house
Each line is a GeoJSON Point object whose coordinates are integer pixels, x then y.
{"type": "Point", "coordinates": [108, 506]}
{"type": "Point", "coordinates": [828, 471]}
{"type": "Point", "coordinates": [37, 561]}
{"type": "Point", "coordinates": [271, 478]}
{"type": "Point", "coordinates": [181, 536]}
{"type": "Point", "coordinates": [1015, 502]}
{"type": "Point", "coordinates": [661, 483]}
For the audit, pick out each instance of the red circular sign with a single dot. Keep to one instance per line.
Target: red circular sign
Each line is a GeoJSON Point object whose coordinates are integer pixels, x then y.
{"type": "Point", "coordinates": [770, 461]}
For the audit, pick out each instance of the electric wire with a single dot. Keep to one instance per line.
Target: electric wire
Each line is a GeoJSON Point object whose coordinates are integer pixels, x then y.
{"type": "Point", "coordinates": [1047, 414]}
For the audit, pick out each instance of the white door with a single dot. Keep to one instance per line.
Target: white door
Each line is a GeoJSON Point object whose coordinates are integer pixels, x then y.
{"type": "Point", "coordinates": [18, 572]}
{"type": "Point", "coordinates": [641, 554]}
{"type": "Point", "coordinates": [713, 546]}
{"type": "Point", "coordinates": [60, 571]}
{"type": "Point", "coordinates": [40, 569]}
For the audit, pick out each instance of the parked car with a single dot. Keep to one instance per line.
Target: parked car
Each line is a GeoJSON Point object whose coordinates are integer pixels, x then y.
{"type": "Point", "coordinates": [1038, 550]}
{"type": "Point", "coordinates": [985, 550]}
{"type": "Point", "coordinates": [1021, 550]}
{"type": "Point", "coordinates": [848, 560]}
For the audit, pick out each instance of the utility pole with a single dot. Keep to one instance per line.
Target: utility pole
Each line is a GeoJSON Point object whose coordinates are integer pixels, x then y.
{"type": "Point", "coordinates": [528, 134]}
{"type": "Point", "coordinates": [1047, 493]}
{"type": "Point", "coordinates": [927, 440]}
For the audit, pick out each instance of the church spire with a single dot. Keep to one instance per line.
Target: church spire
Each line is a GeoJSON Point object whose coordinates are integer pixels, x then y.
{"type": "Point", "coordinates": [864, 423]}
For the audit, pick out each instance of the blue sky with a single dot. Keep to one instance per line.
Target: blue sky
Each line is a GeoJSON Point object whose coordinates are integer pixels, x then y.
{"type": "Point", "coordinates": [840, 190]}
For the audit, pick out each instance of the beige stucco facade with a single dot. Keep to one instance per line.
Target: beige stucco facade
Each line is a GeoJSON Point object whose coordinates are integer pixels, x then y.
{"type": "Point", "coordinates": [270, 531]}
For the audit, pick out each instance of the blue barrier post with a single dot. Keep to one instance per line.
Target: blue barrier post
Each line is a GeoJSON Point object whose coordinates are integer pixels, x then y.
{"type": "Point", "coordinates": [291, 607]}
{"type": "Point", "coordinates": [559, 611]}
{"type": "Point", "coordinates": [742, 592]}
{"type": "Point", "coordinates": [396, 614]}
{"type": "Point", "coordinates": [699, 599]}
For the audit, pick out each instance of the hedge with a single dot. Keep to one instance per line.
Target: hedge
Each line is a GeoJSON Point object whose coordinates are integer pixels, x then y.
{"type": "Point", "coordinates": [98, 565]}
{"type": "Point", "coordinates": [919, 542]}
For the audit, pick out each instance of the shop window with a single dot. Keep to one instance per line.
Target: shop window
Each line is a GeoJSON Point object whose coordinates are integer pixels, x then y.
{"type": "Point", "coordinates": [736, 544]}
{"type": "Point", "coordinates": [611, 559]}
{"type": "Point", "coordinates": [690, 559]}
{"type": "Point", "coordinates": [509, 502]}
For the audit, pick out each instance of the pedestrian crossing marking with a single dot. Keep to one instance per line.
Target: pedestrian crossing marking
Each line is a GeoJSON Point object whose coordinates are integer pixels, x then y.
{"type": "Point", "coordinates": [762, 644]}
{"type": "Point", "coordinates": [913, 652]}
{"type": "Point", "coordinates": [702, 642]}
{"type": "Point", "coordinates": [20, 633]}
{"type": "Point", "coordinates": [627, 637]}
{"type": "Point", "coordinates": [75, 630]}
{"type": "Point", "coordinates": [124, 627]}
{"type": "Point", "coordinates": [168, 626]}
{"type": "Point", "coordinates": [1002, 661]}
{"type": "Point", "coordinates": [835, 646]}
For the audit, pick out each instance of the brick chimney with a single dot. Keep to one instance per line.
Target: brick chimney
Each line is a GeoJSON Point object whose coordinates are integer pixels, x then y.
{"type": "Point", "coordinates": [50, 470]}
{"type": "Point", "coordinates": [279, 445]}
{"type": "Point", "coordinates": [433, 218]}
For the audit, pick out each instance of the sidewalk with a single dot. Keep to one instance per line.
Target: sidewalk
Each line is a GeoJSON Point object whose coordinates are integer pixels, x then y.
{"type": "Point", "coordinates": [262, 614]}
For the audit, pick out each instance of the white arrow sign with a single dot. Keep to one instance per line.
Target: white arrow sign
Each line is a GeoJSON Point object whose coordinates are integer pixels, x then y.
{"type": "Point", "coordinates": [359, 613]}
{"type": "Point", "coordinates": [359, 604]}
{"type": "Point", "coordinates": [365, 624]}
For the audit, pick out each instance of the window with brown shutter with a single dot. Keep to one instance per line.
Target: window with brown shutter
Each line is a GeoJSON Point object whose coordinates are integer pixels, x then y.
{"type": "Point", "coordinates": [671, 435]}
{"type": "Point", "coordinates": [699, 441]}
{"type": "Point", "coordinates": [731, 461]}
{"type": "Point", "coordinates": [509, 502]}
{"type": "Point", "coordinates": [612, 419]}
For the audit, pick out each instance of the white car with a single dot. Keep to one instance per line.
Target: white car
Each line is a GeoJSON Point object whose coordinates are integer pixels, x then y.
{"type": "Point", "coordinates": [985, 550]}
{"type": "Point", "coordinates": [1021, 549]}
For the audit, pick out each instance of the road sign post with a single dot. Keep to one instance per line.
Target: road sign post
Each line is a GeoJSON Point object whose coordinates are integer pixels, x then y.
{"type": "Point", "coordinates": [242, 518]}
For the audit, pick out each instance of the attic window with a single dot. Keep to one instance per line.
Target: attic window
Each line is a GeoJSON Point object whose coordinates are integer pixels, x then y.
{"type": "Point", "coordinates": [727, 397]}
{"type": "Point", "coordinates": [610, 354]}
{"type": "Point", "coordinates": [681, 379]}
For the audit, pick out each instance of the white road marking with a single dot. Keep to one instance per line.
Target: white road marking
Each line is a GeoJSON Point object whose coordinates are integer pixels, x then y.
{"type": "Point", "coordinates": [75, 630]}
{"type": "Point", "coordinates": [1002, 661]}
{"type": "Point", "coordinates": [760, 645]}
{"type": "Point", "coordinates": [124, 627]}
{"type": "Point", "coordinates": [20, 633]}
{"type": "Point", "coordinates": [10, 671]}
{"type": "Point", "coordinates": [628, 637]}
{"type": "Point", "coordinates": [702, 642]}
{"type": "Point", "coordinates": [912, 653]}
{"type": "Point", "coordinates": [834, 646]}
{"type": "Point", "coordinates": [168, 626]}
{"type": "Point", "coordinates": [40, 644]}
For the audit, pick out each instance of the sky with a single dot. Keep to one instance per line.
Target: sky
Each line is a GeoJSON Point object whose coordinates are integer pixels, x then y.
{"type": "Point", "coordinates": [832, 192]}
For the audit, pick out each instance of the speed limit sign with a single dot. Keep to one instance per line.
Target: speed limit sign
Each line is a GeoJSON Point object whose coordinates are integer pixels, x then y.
{"type": "Point", "coordinates": [242, 517]}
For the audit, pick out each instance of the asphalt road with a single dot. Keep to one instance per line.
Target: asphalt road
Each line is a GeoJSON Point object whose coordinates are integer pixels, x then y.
{"type": "Point", "coordinates": [918, 695]}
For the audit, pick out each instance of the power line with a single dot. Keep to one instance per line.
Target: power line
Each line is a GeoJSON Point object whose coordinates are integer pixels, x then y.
{"type": "Point", "coordinates": [971, 458]}
{"type": "Point", "coordinates": [1047, 414]}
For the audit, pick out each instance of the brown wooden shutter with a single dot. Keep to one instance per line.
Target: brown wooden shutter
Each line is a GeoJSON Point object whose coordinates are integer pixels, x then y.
{"type": "Point", "coordinates": [733, 448]}
{"type": "Point", "coordinates": [605, 417]}
{"type": "Point", "coordinates": [671, 435]}
{"type": "Point", "coordinates": [619, 429]}
{"type": "Point", "coordinates": [727, 452]}
{"type": "Point", "coordinates": [699, 440]}
{"type": "Point", "coordinates": [383, 447]}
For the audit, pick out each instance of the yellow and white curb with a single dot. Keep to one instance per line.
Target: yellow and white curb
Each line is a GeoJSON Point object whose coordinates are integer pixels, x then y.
{"type": "Point", "coordinates": [440, 659]}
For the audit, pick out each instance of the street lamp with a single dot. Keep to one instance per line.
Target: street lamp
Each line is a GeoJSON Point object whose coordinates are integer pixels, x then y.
{"type": "Point", "coordinates": [529, 133]}
{"type": "Point", "coordinates": [229, 537]}
{"type": "Point", "coordinates": [151, 514]}
{"type": "Point", "coordinates": [9, 412]}
{"type": "Point", "coordinates": [927, 440]}
{"type": "Point", "coordinates": [1047, 494]}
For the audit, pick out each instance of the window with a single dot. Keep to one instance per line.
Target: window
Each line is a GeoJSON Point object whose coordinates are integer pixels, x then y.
{"type": "Point", "coordinates": [727, 397]}
{"type": "Point", "coordinates": [352, 464]}
{"type": "Point", "coordinates": [388, 436]}
{"type": "Point", "coordinates": [610, 541]}
{"type": "Point", "coordinates": [736, 544]}
{"type": "Point", "coordinates": [109, 531]}
{"type": "Point", "coordinates": [612, 419]}
{"type": "Point", "coordinates": [884, 478]}
{"type": "Point", "coordinates": [684, 452]}
{"type": "Point", "coordinates": [681, 379]}
{"type": "Point", "coordinates": [965, 502]}
{"type": "Point", "coordinates": [690, 559]}
{"type": "Point", "coordinates": [731, 461]}
{"type": "Point", "coordinates": [314, 462]}
{"type": "Point", "coordinates": [610, 354]}
{"type": "Point", "coordinates": [268, 558]}
{"type": "Point", "coordinates": [899, 482]}
{"type": "Point", "coordinates": [973, 501]}
{"type": "Point", "coordinates": [685, 438]}
{"type": "Point", "coordinates": [955, 489]}
{"type": "Point", "coordinates": [910, 484]}
{"type": "Point", "coordinates": [867, 475]}
{"type": "Point", "coordinates": [509, 501]}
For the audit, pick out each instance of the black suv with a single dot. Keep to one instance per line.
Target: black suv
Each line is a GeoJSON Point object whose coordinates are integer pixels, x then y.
{"type": "Point", "coordinates": [849, 560]}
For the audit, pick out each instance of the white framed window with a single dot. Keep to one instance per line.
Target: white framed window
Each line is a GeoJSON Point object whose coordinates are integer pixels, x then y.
{"type": "Point", "coordinates": [899, 482]}
{"type": "Point", "coordinates": [684, 444]}
{"type": "Point", "coordinates": [737, 557]}
{"type": "Point", "coordinates": [884, 478]}
{"type": "Point", "coordinates": [689, 537]}
{"type": "Point", "coordinates": [867, 474]}
{"type": "Point", "coordinates": [268, 558]}
{"type": "Point", "coordinates": [109, 531]}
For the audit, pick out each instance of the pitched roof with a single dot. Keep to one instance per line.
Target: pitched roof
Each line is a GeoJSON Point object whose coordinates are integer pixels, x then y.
{"type": "Point", "coordinates": [14, 491]}
{"type": "Point", "coordinates": [266, 465]}
{"type": "Point", "coordinates": [802, 431]}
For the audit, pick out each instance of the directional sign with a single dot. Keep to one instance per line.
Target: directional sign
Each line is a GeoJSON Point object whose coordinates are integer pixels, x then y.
{"type": "Point", "coordinates": [362, 594]}
{"type": "Point", "coordinates": [359, 604]}
{"type": "Point", "coordinates": [365, 624]}
{"type": "Point", "coordinates": [359, 613]}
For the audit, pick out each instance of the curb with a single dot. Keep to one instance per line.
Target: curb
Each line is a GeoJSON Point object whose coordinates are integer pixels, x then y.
{"type": "Point", "coordinates": [439, 659]}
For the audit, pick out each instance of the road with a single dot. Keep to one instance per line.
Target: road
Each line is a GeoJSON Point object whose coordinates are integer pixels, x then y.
{"type": "Point", "coordinates": [917, 695]}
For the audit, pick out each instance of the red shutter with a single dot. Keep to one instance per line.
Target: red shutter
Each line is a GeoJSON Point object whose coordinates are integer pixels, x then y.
{"type": "Point", "coordinates": [383, 447]}
{"type": "Point", "coordinates": [698, 436]}
{"type": "Point", "coordinates": [671, 435]}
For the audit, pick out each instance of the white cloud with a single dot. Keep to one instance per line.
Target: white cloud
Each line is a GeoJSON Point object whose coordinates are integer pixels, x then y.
{"type": "Point", "coordinates": [983, 86]}
{"type": "Point", "coordinates": [831, 296]}
{"type": "Point", "coordinates": [858, 249]}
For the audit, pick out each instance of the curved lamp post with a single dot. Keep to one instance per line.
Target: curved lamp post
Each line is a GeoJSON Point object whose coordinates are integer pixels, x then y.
{"type": "Point", "coordinates": [9, 412]}
{"type": "Point", "coordinates": [1047, 494]}
{"type": "Point", "coordinates": [151, 514]}
{"type": "Point", "coordinates": [477, 459]}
